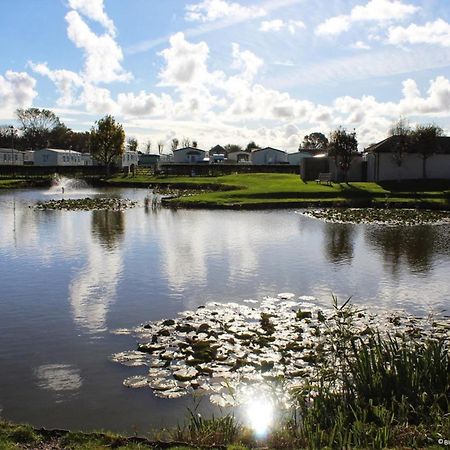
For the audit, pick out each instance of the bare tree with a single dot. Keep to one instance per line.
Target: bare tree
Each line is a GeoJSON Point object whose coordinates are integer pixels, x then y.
{"type": "Point", "coordinates": [148, 146]}
{"type": "Point", "coordinates": [174, 144]}
{"type": "Point", "coordinates": [160, 147]}
{"type": "Point", "coordinates": [186, 142]}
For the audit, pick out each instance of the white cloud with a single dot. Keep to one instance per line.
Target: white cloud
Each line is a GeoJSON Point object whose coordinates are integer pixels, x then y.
{"type": "Point", "coordinates": [185, 62]}
{"type": "Point", "coordinates": [103, 56]}
{"type": "Point", "coordinates": [435, 33]}
{"type": "Point", "coordinates": [16, 91]}
{"type": "Point", "coordinates": [278, 25]}
{"type": "Point", "coordinates": [211, 10]}
{"type": "Point", "coordinates": [381, 11]}
{"type": "Point", "coordinates": [137, 105]}
{"type": "Point", "coordinates": [66, 81]}
{"type": "Point", "coordinates": [360, 45]}
{"type": "Point", "coordinates": [95, 10]}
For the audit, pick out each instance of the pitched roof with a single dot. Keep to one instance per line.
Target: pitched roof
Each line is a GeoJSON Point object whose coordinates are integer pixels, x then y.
{"type": "Point", "coordinates": [388, 145]}
{"type": "Point", "coordinates": [59, 150]}
{"type": "Point", "coordinates": [189, 148]}
{"type": "Point", "coordinates": [267, 148]}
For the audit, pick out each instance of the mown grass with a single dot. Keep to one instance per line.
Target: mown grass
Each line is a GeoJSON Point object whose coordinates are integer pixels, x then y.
{"type": "Point", "coordinates": [284, 190]}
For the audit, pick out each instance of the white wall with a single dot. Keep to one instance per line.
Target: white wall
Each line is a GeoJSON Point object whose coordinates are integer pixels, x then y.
{"type": "Point", "coordinates": [182, 156]}
{"type": "Point", "coordinates": [268, 156]}
{"type": "Point", "coordinates": [11, 157]}
{"type": "Point", "coordinates": [297, 157]}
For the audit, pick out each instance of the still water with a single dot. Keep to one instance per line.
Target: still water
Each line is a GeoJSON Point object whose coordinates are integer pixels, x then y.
{"type": "Point", "coordinates": [70, 278]}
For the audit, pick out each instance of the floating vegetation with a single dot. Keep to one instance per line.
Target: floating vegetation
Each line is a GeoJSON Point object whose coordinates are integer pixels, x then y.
{"type": "Point", "coordinates": [232, 352]}
{"type": "Point", "coordinates": [87, 204]}
{"type": "Point", "coordinates": [393, 217]}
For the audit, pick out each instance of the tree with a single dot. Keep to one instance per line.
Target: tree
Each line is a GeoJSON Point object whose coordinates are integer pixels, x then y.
{"type": "Point", "coordinates": [314, 140]}
{"type": "Point", "coordinates": [343, 146]}
{"type": "Point", "coordinates": [174, 144]}
{"type": "Point", "coordinates": [425, 140]}
{"type": "Point", "coordinates": [402, 133]}
{"type": "Point", "coordinates": [194, 144]}
{"type": "Point", "coordinates": [251, 146]}
{"type": "Point", "coordinates": [160, 147]}
{"type": "Point", "coordinates": [148, 146]}
{"type": "Point", "coordinates": [107, 141]}
{"type": "Point", "coordinates": [186, 142]}
{"type": "Point", "coordinates": [132, 144]}
{"type": "Point", "coordinates": [230, 148]}
{"type": "Point", "coordinates": [37, 126]}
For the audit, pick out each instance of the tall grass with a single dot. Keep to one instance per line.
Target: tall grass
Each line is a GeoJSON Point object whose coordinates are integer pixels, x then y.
{"type": "Point", "coordinates": [376, 390]}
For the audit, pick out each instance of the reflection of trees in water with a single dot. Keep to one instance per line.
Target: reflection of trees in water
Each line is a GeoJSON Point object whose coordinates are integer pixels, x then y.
{"type": "Point", "coordinates": [339, 241]}
{"type": "Point", "coordinates": [108, 226]}
{"type": "Point", "coordinates": [415, 245]}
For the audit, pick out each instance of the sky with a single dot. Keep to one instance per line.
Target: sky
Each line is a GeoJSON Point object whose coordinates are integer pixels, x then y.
{"type": "Point", "coordinates": [228, 71]}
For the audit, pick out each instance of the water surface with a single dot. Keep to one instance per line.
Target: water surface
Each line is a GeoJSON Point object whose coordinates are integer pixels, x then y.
{"type": "Point", "coordinates": [70, 278]}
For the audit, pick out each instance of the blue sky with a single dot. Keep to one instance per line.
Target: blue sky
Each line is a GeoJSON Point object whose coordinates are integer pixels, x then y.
{"type": "Point", "coordinates": [224, 71]}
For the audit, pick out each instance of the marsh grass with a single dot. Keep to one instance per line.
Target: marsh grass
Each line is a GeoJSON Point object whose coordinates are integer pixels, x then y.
{"type": "Point", "coordinates": [376, 390]}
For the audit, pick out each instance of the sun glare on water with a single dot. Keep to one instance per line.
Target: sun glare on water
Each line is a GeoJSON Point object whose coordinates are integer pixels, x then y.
{"type": "Point", "coordinates": [260, 416]}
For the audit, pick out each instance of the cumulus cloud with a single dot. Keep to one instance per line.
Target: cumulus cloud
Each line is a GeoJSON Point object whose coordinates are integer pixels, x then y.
{"type": "Point", "coordinates": [185, 62]}
{"type": "Point", "coordinates": [279, 25]}
{"type": "Point", "coordinates": [95, 10]}
{"type": "Point", "coordinates": [435, 33]}
{"type": "Point", "coordinates": [16, 91]}
{"type": "Point", "coordinates": [374, 11]}
{"type": "Point", "coordinates": [103, 56]}
{"type": "Point", "coordinates": [211, 10]}
{"type": "Point", "coordinates": [66, 82]}
{"type": "Point", "coordinates": [360, 45]}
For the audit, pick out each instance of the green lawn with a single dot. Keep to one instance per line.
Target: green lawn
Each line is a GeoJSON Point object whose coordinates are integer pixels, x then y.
{"type": "Point", "coordinates": [284, 190]}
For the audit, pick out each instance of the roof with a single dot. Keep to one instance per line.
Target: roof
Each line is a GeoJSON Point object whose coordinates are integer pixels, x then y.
{"type": "Point", "coordinates": [189, 148]}
{"type": "Point", "coordinates": [267, 148]}
{"type": "Point", "coordinates": [59, 150]}
{"type": "Point", "coordinates": [217, 149]}
{"type": "Point", "coordinates": [9, 150]}
{"type": "Point", "coordinates": [388, 145]}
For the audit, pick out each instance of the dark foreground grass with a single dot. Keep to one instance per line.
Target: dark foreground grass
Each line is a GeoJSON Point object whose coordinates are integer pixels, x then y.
{"type": "Point", "coordinates": [285, 190]}
{"type": "Point", "coordinates": [374, 388]}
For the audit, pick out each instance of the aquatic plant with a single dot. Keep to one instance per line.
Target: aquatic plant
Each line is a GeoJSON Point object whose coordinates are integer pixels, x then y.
{"type": "Point", "coordinates": [87, 204]}
{"type": "Point", "coordinates": [384, 216]}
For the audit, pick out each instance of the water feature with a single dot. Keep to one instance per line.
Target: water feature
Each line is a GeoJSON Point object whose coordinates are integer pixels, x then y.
{"type": "Point", "coordinates": [71, 280]}
{"type": "Point", "coordinates": [69, 186]}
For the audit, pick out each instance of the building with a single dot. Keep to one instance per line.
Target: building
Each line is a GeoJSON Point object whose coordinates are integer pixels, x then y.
{"type": "Point", "coordinates": [217, 150]}
{"type": "Point", "coordinates": [384, 163]}
{"type": "Point", "coordinates": [11, 157]}
{"type": "Point", "coordinates": [148, 160]}
{"type": "Point", "coordinates": [57, 157]}
{"type": "Point", "coordinates": [129, 160]}
{"type": "Point", "coordinates": [240, 157]}
{"type": "Point", "coordinates": [188, 155]}
{"type": "Point", "coordinates": [268, 155]}
{"type": "Point", "coordinates": [296, 158]}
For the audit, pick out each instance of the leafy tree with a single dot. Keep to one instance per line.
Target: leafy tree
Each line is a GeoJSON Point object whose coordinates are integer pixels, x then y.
{"type": "Point", "coordinates": [174, 144]}
{"type": "Point", "coordinates": [132, 144]}
{"type": "Point", "coordinates": [426, 142]}
{"type": "Point", "coordinates": [230, 148]}
{"type": "Point", "coordinates": [343, 146]}
{"type": "Point", "coordinates": [107, 141]}
{"type": "Point", "coordinates": [37, 126]}
{"type": "Point", "coordinates": [194, 144]}
{"type": "Point", "coordinates": [314, 140]}
{"type": "Point", "coordinates": [251, 146]}
{"type": "Point", "coordinates": [402, 133]}
{"type": "Point", "coordinates": [9, 137]}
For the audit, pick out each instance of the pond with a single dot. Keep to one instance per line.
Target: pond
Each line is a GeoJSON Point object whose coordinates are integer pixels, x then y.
{"type": "Point", "coordinates": [70, 279]}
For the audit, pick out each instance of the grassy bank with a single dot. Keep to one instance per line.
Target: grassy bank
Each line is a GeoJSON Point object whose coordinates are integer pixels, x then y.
{"type": "Point", "coordinates": [21, 183]}
{"type": "Point", "coordinates": [286, 190]}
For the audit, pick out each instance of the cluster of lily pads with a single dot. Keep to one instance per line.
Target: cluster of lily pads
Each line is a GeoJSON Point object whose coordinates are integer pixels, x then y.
{"type": "Point", "coordinates": [87, 204]}
{"type": "Point", "coordinates": [232, 351]}
{"type": "Point", "coordinates": [387, 216]}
